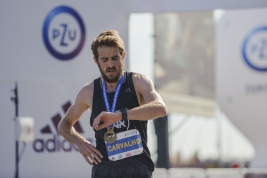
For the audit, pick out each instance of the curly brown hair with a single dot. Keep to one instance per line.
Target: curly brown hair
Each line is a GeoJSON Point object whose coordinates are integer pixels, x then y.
{"type": "Point", "coordinates": [109, 38]}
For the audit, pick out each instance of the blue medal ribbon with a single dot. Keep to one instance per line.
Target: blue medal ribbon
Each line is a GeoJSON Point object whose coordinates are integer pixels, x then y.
{"type": "Point", "coordinates": [104, 90]}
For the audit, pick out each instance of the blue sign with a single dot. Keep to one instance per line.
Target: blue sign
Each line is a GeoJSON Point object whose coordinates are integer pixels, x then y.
{"type": "Point", "coordinates": [254, 49]}
{"type": "Point", "coordinates": [63, 33]}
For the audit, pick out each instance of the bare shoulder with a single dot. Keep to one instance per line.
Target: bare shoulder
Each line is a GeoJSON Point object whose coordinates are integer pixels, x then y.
{"type": "Point", "coordinates": [88, 88]}
{"type": "Point", "coordinates": [85, 95]}
{"type": "Point", "coordinates": [142, 81]}
{"type": "Point", "coordinates": [145, 89]}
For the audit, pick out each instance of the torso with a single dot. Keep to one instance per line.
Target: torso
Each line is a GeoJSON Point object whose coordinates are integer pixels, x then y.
{"type": "Point", "coordinates": [127, 100]}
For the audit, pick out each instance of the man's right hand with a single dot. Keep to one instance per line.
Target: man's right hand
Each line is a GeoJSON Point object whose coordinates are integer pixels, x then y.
{"type": "Point", "coordinates": [89, 152]}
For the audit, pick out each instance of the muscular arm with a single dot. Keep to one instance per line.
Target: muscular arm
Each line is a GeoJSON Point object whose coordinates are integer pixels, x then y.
{"type": "Point", "coordinates": [151, 104]}
{"type": "Point", "coordinates": [65, 126]}
{"type": "Point", "coordinates": [66, 129]}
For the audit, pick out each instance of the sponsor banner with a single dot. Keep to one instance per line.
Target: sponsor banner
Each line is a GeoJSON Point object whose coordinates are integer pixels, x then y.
{"type": "Point", "coordinates": [52, 41]}
{"type": "Point", "coordinates": [241, 74]}
{"type": "Point", "coordinates": [48, 154]}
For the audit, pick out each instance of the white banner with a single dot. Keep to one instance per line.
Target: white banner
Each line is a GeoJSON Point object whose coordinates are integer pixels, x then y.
{"type": "Point", "coordinates": [49, 154]}
{"type": "Point", "coordinates": [52, 40]}
{"type": "Point", "coordinates": [241, 77]}
{"type": "Point", "coordinates": [46, 47]}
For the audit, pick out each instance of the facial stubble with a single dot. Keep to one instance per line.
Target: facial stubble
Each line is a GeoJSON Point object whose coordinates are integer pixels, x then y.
{"type": "Point", "coordinates": [116, 78]}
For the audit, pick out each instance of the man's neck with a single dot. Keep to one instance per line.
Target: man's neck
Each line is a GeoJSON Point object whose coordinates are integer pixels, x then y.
{"type": "Point", "coordinates": [111, 87]}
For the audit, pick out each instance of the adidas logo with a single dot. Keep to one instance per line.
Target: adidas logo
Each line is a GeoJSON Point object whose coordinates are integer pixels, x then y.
{"type": "Point", "coordinates": [56, 144]}
{"type": "Point", "coordinates": [128, 90]}
{"type": "Point", "coordinates": [57, 118]}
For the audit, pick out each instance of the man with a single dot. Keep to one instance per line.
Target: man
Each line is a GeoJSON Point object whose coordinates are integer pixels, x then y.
{"type": "Point", "coordinates": [121, 105]}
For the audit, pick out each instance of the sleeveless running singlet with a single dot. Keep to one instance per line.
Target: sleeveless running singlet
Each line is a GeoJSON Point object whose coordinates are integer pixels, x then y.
{"type": "Point", "coordinates": [127, 99]}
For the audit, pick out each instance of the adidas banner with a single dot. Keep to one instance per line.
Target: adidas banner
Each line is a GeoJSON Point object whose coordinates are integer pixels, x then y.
{"type": "Point", "coordinates": [48, 154]}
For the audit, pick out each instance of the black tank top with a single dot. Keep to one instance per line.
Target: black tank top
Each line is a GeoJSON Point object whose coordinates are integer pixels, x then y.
{"type": "Point", "coordinates": [127, 99]}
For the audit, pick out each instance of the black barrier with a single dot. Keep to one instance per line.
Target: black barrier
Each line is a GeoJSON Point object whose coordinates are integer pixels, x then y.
{"type": "Point", "coordinates": [161, 130]}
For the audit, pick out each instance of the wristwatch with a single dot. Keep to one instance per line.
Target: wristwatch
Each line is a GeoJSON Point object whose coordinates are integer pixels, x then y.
{"type": "Point", "coordinates": [124, 114]}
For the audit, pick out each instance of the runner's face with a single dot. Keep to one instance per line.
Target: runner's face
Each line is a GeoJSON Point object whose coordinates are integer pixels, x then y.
{"type": "Point", "coordinates": [110, 63]}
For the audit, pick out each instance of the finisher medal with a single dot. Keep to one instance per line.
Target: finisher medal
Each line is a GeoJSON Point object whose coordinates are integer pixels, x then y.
{"type": "Point", "coordinates": [110, 136]}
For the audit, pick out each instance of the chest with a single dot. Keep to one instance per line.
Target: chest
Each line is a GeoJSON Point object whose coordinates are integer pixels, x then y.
{"type": "Point", "coordinates": [127, 98]}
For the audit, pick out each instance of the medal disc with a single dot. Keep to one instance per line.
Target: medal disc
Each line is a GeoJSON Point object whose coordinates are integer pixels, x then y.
{"type": "Point", "coordinates": [110, 136]}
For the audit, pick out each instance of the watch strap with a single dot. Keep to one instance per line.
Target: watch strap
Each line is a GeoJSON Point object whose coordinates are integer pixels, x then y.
{"type": "Point", "coordinates": [124, 114]}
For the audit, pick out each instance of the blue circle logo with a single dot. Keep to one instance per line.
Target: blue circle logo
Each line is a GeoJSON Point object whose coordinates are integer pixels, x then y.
{"type": "Point", "coordinates": [63, 33]}
{"type": "Point", "coordinates": [254, 49]}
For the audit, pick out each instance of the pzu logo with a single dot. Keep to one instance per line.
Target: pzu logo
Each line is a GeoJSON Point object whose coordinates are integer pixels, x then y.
{"type": "Point", "coordinates": [63, 33]}
{"type": "Point", "coordinates": [254, 49]}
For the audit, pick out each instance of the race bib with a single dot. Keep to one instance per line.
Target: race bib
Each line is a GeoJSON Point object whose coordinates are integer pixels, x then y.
{"type": "Point", "coordinates": [128, 143]}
